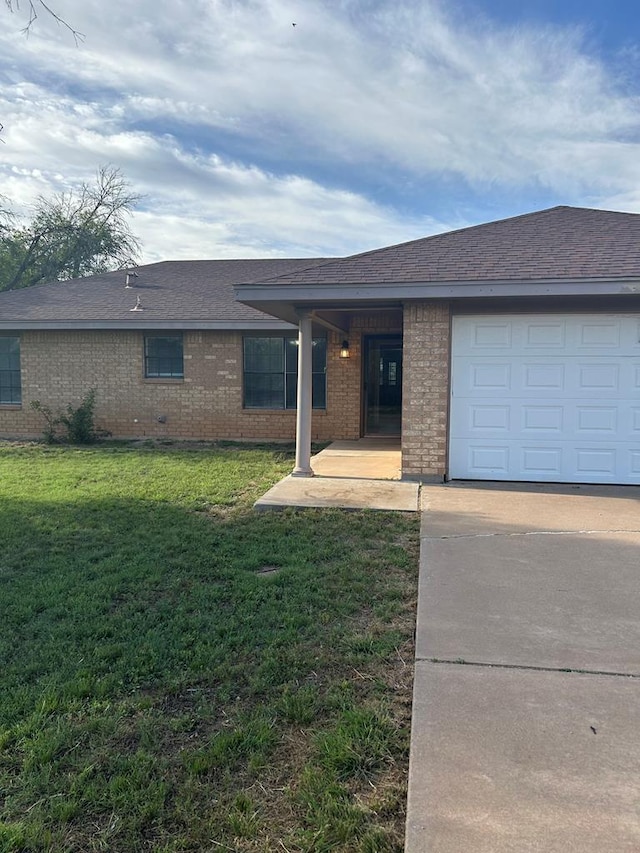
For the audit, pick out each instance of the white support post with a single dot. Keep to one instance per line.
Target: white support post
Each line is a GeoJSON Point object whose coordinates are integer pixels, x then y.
{"type": "Point", "coordinates": [304, 410]}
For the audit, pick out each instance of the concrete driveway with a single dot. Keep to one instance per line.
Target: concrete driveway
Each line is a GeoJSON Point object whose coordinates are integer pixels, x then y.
{"type": "Point", "coordinates": [526, 719]}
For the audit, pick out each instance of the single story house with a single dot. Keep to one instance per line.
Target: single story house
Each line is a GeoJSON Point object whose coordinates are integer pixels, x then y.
{"type": "Point", "coordinates": [504, 351]}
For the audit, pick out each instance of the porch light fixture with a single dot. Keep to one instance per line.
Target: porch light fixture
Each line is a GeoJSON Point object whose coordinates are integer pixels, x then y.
{"type": "Point", "coordinates": [344, 350]}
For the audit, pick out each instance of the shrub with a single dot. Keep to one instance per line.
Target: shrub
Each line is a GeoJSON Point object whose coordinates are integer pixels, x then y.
{"type": "Point", "coordinates": [76, 425]}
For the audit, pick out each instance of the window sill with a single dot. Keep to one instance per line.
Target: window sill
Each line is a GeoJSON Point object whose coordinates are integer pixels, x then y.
{"type": "Point", "coordinates": [163, 380]}
{"type": "Point", "coordinates": [12, 407]}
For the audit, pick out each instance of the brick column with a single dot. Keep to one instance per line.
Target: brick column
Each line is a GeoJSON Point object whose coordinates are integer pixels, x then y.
{"type": "Point", "coordinates": [425, 392]}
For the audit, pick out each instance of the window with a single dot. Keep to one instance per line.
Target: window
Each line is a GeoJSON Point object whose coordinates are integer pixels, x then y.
{"type": "Point", "coordinates": [271, 373]}
{"type": "Point", "coordinates": [163, 357]}
{"type": "Point", "coordinates": [10, 386]}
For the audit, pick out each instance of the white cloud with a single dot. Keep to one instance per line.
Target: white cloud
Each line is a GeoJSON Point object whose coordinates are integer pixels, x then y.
{"type": "Point", "coordinates": [199, 205]}
{"type": "Point", "coordinates": [248, 212]}
{"type": "Point", "coordinates": [192, 98]}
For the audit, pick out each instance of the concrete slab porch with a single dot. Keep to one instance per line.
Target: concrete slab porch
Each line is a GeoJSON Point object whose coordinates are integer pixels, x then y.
{"type": "Point", "coordinates": [355, 475]}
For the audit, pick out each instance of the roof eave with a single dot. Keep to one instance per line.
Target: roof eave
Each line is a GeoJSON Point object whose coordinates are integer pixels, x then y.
{"type": "Point", "coordinates": [285, 301]}
{"type": "Point", "coordinates": [259, 296]}
{"type": "Point", "coordinates": [146, 324]}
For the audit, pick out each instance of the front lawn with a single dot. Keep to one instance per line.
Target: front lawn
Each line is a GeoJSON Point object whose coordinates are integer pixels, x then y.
{"type": "Point", "coordinates": [180, 673]}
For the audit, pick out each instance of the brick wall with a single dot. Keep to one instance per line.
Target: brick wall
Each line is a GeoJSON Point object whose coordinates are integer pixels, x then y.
{"type": "Point", "coordinates": [59, 367]}
{"type": "Point", "coordinates": [425, 392]}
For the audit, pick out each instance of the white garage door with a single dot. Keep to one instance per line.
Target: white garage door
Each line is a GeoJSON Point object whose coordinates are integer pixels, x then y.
{"type": "Point", "coordinates": [546, 397]}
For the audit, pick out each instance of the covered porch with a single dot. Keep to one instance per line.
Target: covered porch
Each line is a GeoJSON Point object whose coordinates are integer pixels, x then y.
{"type": "Point", "coordinates": [365, 382]}
{"type": "Point", "coordinates": [387, 368]}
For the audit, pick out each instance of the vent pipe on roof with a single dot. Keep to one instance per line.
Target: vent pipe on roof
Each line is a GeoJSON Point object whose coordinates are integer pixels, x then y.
{"type": "Point", "coordinates": [137, 306]}
{"type": "Point", "coordinates": [130, 279]}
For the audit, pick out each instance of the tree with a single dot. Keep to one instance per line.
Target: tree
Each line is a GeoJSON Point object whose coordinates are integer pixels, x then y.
{"type": "Point", "coordinates": [71, 235]}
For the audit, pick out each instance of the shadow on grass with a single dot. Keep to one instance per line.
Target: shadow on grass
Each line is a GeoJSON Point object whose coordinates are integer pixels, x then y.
{"type": "Point", "coordinates": [150, 671]}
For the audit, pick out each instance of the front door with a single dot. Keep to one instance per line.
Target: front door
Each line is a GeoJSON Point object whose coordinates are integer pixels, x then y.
{"type": "Point", "coordinates": [382, 384]}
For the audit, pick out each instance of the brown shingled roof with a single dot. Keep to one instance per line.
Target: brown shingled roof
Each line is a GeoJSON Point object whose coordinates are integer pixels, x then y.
{"type": "Point", "coordinates": [558, 243]}
{"type": "Point", "coordinates": [170, 291]}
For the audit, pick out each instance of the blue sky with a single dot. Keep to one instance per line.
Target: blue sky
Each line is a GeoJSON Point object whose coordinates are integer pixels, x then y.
{"type": "Point", "coordinates": [368, 123]}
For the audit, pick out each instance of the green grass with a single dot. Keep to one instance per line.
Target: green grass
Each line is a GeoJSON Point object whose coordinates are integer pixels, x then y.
{"type": "Point", "coordinates": [158, 693]}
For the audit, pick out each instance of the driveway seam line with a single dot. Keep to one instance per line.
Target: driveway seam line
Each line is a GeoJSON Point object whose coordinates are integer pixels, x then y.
{"type": "Point", "coordinates": [531, 667]}
{"type": "Point", "coordinates": [530, 533]}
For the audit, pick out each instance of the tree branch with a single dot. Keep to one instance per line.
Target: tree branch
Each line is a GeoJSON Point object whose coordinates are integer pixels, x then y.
{"type": "Point", "coordinates": [33, 6]}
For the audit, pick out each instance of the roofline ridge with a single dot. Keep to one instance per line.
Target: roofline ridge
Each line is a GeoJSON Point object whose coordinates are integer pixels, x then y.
{"type": "Point", "coordinates": [227, 260]}
{"type": "Point", "coordinates": [473, 227]}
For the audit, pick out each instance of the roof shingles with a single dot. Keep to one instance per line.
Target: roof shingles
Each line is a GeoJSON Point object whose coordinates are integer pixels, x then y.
{"type": "Point", "coordinates": [561, 242]}
{"type": "Point", "coordinates": [555, 244]}
{"type": "Point", "coordinates": [169, 291]}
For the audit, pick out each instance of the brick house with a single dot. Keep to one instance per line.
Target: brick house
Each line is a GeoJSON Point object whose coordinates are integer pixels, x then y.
{"type": "Point", "coordinates": [505, 351]}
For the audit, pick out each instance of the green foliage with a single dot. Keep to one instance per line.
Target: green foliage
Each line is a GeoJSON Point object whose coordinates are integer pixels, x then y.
{"type": "Point", "coordinates": [249, 744]}
{"type": "Point", "coordinates": [156, 693]}
{"type": "Point", "coordinates": [358, 745]}
{"type": "Point", "coordinates": [79, 423]}
{"type": "Point", "coordinates": [76, 425]}
{"type": "Point", "coordinates": [71, 235]}
{"type": "Point", "coordinates": [300, 706]}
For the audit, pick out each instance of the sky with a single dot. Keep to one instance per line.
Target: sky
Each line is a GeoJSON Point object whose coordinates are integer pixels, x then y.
{"type": "Point", "coordinates": [368, 123]}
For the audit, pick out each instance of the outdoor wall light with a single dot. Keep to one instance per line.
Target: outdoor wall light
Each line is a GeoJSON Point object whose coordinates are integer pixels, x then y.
{"type": "Point", "coordinates": [344, 350]}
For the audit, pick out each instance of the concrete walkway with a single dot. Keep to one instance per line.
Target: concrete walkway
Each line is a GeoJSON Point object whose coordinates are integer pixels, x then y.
{"type": "Point", "coordinates": [361, 474]}
{"type": "Point", "coordinates": [526, 719]}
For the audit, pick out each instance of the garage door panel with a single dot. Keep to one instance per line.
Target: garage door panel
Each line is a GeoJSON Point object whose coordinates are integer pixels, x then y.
{"type": "Point", "coordinates": [591, 336]}
{"type": "Point", "coordinates": [492, 335]}
{"type": "Point", "coordinates": [596, 420]}
{"type": "Point", "coordinates": [547, 377]}
{"type": "Point", "coordinates": [577, 421]}
{"type": "Point", "coordinates": [598, 377]}
{"type": "Point", "coordinates": [490, 377]}
{"type": "Point", "coordinates": [542, 419]}
{"type": "Point", "coordinates": [553, 399]}
{"type": "Point", "coordinates": [486, 336]}
{"type": "Point", "coordinates": [547, 335]}
{"type": "Point", "coordinates": [546, 461]}
{"type": "Point", "coordinates": [600, 334]}
{"type": "Point", "coordinates": [571, 376]}
{"type": "Point", "coordinates": [488, 460]}
{"type": "Point", "coordinates": [493, 418]}
{"type": "Point", "coordinates": [600, 461]}
{"type": "Point", "coordinates": [562, 462]}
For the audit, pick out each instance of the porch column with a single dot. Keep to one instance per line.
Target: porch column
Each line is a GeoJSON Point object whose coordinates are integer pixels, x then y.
{"type": "Point", "coordinates": [304, 410]}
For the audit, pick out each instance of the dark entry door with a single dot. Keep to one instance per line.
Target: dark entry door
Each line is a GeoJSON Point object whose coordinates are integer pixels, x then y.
{"type": "Point", "coordinates": [382, 385]}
